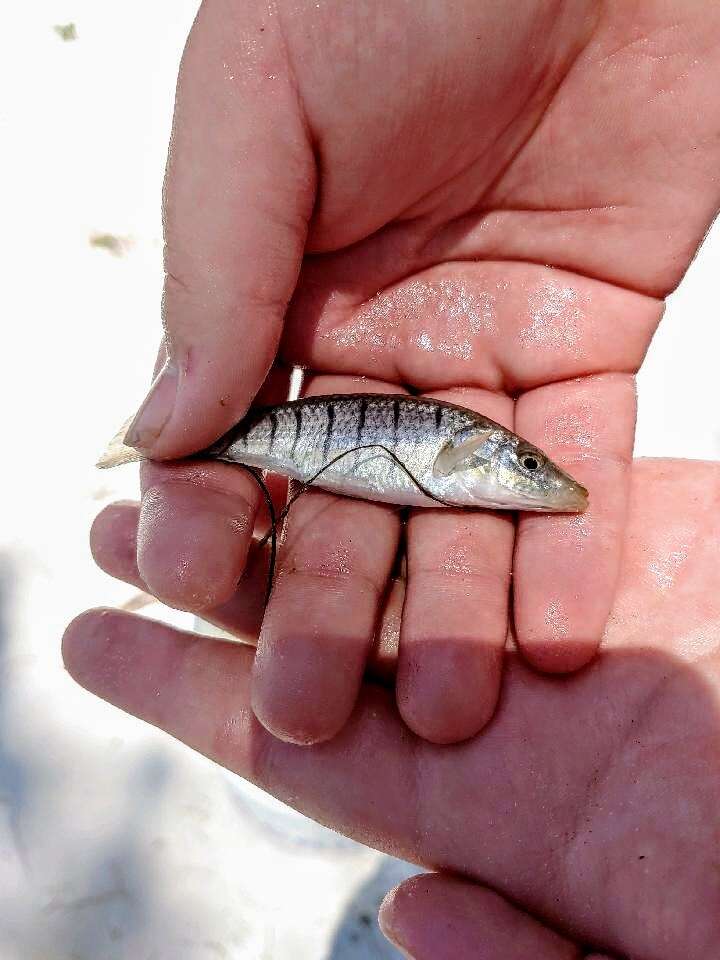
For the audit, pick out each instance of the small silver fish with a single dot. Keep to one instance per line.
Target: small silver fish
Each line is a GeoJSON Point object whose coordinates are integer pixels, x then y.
{"type": "Point", "coordinates": [404, 450]}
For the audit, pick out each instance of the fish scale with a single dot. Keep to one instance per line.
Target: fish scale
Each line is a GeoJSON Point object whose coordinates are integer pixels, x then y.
{"type": "Point", "coordinates": [394, 448]}
{"type": "Point", "coordinates": [302, 436]}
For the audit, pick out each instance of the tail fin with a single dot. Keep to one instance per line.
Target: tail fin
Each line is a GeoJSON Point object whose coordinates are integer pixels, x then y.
{"type": "Point", "coordinates": [117, 453]}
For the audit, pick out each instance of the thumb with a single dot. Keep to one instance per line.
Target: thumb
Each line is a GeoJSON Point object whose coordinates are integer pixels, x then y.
{"type": "Point", "coordinates": [239, 192]}
{"type": "Point", "coordinates": [437, 917]}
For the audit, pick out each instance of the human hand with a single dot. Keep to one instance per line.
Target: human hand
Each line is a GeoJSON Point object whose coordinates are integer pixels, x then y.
{"type": "Point", "coordinates": [437, 916]}
{"type": "Point", "coordinates": [489, 208]}
{"type": "Point", "coordinates": [591, 802]}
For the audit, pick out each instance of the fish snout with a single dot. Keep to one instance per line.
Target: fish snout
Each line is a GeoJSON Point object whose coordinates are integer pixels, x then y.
{"type": "Point", "coordinates": [573, 498]}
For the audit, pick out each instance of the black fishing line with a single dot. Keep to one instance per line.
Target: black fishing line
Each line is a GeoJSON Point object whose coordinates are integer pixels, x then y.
{"type": "Point", "coordinates": [366, 446]}
{"type": "Point", "coordinates": [272, 532]}
{"type": "Point", "coordinates": [306, 484]}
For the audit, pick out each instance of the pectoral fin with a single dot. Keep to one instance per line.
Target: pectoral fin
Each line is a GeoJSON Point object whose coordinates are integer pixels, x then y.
{"type": "Point", "coordinates": [456, 454]}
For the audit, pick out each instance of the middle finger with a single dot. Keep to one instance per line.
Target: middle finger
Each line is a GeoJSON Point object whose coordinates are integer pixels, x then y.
{"type": "Point", "coordinates": [454, 624]}
{"type": "Point", "coordinates": [334, 563]}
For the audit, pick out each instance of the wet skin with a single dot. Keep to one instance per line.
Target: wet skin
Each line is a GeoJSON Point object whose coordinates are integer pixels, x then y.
{"type": "Point", "coordinates": [486, 209]}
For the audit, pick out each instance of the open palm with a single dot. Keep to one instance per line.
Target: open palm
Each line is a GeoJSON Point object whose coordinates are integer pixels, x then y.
{"type": "Point", "coordinates": [590, 802]}
{"type": "Point", "coordinates": [481, 202]}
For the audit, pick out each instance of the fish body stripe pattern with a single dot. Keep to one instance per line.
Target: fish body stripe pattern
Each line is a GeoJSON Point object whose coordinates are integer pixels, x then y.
{"type": "Point", "coordinates": [300, 437]}
{"type": "Point", "coordinates": [405, 450]}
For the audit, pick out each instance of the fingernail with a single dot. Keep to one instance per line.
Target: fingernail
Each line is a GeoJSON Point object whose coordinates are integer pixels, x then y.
{"type": "Point", "coordinates": [155, 411]}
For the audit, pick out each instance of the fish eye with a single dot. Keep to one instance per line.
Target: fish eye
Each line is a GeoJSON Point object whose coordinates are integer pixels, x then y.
{"type": "Point", "coordinates": [531, 461]}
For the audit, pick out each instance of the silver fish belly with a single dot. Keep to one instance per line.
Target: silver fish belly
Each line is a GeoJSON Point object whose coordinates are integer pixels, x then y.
{"type": "Point", "coordinates": [404, 450]}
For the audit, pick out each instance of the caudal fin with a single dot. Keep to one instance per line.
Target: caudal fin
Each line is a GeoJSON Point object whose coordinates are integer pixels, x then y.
{"type": "Point", "coordinates": [117, 453]}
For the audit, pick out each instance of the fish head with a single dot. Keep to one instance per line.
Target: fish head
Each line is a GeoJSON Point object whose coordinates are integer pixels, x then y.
{"type": "Point", "coordinates": [531, 481]}
{"type": "Point", "coordinates": [501, 470]}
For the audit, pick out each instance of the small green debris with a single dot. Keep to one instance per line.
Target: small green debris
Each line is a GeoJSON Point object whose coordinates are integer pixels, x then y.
{"type": "Point", "coordinates": [115, 245]}
{"type": "Point", "coordinates": [66, 31]}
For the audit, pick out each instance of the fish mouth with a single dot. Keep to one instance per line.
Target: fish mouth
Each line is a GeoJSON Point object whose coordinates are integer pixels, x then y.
{"type": "Point", "coordinates": [573, 499]}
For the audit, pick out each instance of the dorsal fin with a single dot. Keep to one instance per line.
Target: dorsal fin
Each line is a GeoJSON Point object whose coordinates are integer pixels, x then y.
{"type": "Point", "coordinates": [456, 452]}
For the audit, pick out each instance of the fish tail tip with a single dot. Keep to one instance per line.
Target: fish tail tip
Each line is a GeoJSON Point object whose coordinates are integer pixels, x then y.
{"type": "Point", "coordinates": [118, 452]}
{"type": "Point", "coordinates": [113, 457]}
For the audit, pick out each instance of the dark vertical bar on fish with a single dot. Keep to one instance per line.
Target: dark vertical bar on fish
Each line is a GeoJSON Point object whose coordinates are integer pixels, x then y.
{"type": "Point", "coordinates": [273, 430]}
{"type": "Point", "coordinates": [297, 410]}
{"type": "Point", "coordinates": [396, 421]}
{"type": "Point", "coordinates": [329, 430]}
{"type": "Point", "coordinates": [362, 413]}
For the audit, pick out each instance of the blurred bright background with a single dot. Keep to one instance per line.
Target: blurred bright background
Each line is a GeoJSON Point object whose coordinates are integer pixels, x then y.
{"type": "Point", "coordinates": [115, 842]}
